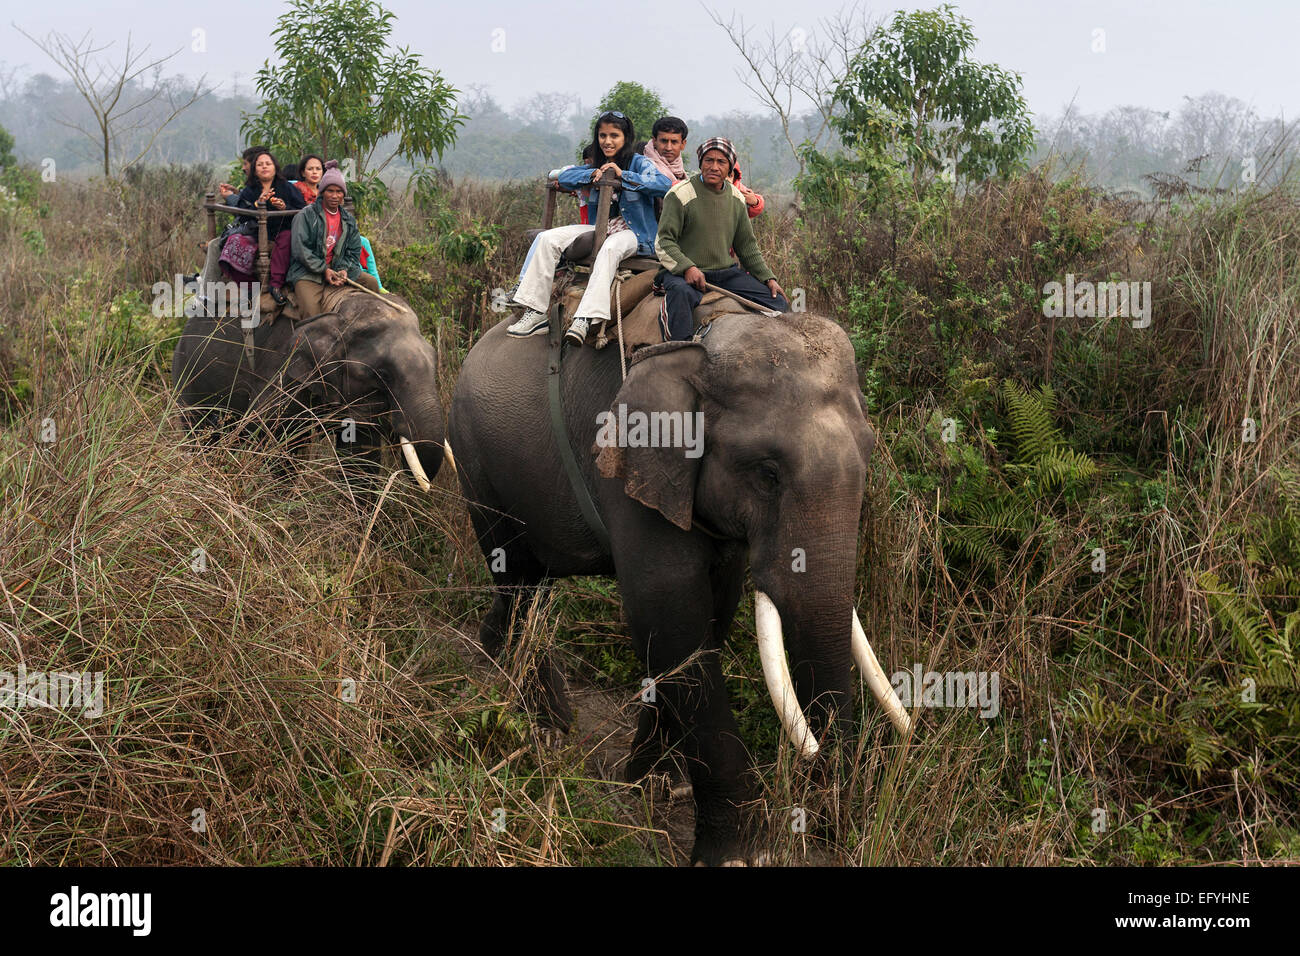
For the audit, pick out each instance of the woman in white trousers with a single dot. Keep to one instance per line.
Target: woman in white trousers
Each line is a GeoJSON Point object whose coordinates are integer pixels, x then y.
{"type": "Point", "coordinates": [631, 229]}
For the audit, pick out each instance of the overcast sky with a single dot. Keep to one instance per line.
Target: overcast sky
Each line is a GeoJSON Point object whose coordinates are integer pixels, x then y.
{"type": "Point", "coordinates": [1154, 52]}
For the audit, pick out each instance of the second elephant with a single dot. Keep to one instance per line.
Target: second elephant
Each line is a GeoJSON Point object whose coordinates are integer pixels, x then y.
{"type": "Point", "coordinates": [367, 361]}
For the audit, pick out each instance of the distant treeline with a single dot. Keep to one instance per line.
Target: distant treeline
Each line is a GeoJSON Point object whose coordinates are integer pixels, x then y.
{"type": "Point", "coordinates": [1211, 141]}
{"type": "Point", "coordinates": [1220, 137]}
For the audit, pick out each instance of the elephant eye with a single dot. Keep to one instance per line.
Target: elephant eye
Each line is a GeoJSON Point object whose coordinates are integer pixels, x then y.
{"type": "Point", "coordinates": [768, 476]}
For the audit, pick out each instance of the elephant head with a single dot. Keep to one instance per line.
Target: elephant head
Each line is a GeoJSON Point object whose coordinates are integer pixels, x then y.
{"type": "Point", "coordinates": [773, 453]}
{"type": "Point", "coordinates": [369, 363]}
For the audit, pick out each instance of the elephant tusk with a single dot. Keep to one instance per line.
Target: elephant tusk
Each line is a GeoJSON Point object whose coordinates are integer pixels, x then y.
{"type": "Point", "coordinates": [776, 672]}
{"type": "Point", "coordinates": [448, 457]}
{"type": "Point", "coordinates": [413, 462]}
{"type": "Point", "coordinates": [871, 672]}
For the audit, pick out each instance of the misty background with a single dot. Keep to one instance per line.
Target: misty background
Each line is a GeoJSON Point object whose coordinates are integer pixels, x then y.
{"type": "Point", "coordinates": [530, 117]}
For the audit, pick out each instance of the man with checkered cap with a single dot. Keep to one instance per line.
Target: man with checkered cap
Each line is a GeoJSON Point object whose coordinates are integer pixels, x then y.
{"type": "Point", "coordinates": [704, 220]}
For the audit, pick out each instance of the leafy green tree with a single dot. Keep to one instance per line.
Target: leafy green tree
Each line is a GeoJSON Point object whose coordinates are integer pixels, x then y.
{"type": "Point", "coordinates": [340, 91]}
{"type": "Point", "coordinates": [21, 184]}
{"type": "Point", "coordinates": [912, 91]}
{"type": "Point", "coordinates": [638, 103]}
{"type": "Point", "coordinates": [6, 148]}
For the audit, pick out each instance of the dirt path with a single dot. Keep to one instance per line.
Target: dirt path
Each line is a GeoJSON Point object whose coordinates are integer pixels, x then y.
{"type": "Point", "coordinates": [601, 737]}
{"type": "Point", "coordinates": [603, 728]}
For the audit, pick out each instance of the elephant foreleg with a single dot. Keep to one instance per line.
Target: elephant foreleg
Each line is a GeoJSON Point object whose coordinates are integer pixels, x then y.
{"type": "Point", "coordinates": [648, 752]}
{"type": "Point", "coordinates": [518, 581]}
{"type": "Point", "coordinates": [671, 615]}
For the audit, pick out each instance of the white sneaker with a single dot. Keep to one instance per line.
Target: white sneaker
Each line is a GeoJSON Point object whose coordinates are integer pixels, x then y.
{"type": "Point", "coordinates": [532, 323]}
{"type": "Point", "coordinates": [577, 333]}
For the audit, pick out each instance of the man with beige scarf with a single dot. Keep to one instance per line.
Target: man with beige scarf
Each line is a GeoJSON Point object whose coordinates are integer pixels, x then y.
{"type": "Point", "coordinates": [665, 147]}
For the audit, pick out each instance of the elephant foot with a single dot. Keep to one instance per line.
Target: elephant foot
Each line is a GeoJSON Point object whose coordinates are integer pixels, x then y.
{"type": "Point", "coordinates": [761, 858]}
{"type": "Point", "coordinates": [665, 781]}
{"type": "Point", "coordinates": [742, 853]}
{"type": "Point", "coordinates": [643, 765]}
{"type": "Point", "coordinates": [733, 852]}
{"type": "Point", "coordinates": [720, 846]}
{"type": "Point", "coordinates": [653, 767]}
{"type": "Point", "coordinates": [726, 831]}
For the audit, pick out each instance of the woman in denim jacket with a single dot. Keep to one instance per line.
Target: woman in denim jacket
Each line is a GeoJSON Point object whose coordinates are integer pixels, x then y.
{"type": "Point", "coordinates": [631, 229]}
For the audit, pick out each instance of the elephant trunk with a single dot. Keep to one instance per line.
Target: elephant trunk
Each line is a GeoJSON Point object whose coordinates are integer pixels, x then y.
{"type": "Point", "coordinates": [819, 692]}
{"type": "Point", "coordinates": [809, 613]}
{"type": "Point", "coordinates": [417, 427]}
{"type": "Point", "coordinates": [818, 683]}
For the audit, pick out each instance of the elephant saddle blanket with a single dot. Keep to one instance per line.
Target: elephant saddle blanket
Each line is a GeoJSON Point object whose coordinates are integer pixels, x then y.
{"type": "Point", "coordinates": [642, 321]}
{"type": "Point", "coordinates": [330, 299]}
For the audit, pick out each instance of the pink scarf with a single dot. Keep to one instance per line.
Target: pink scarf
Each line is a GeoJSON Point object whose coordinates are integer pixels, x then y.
{"type": "Point", "coordinates": [674, 171]}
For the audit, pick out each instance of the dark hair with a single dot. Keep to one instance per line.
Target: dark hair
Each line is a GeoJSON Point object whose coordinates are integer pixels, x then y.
{"type": "Point", "coordinates": [302, 164]}
{"type": "Point", "coordinates": [623, 158]}
{"type": "Point", "coordinates": [252, 167]}
{"type": "Point", "coordinates": [668, 124]}
{"type": "Point", "coordinates": [251, 153]}
{"type": "Point", "coordinates": [290, 172]}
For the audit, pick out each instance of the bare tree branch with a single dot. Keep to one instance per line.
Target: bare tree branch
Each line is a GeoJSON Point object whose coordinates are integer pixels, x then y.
{"type": "Point", "coordinates": [177, 108]}
{"type": "Point", "coordinates": [103, 84]}
{"type": "Point", "coordinates": [8, 83]}
{"type": "Point", "coordinates": [801, 67]}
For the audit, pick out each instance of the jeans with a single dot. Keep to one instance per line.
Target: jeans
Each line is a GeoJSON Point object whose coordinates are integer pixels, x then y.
{"type": "Point", "coordinates": [680, 299]}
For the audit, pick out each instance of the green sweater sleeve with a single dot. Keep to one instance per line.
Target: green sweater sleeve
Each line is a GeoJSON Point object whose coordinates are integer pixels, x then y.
{"type": "Point", "coordinates": [746, 247]}
{"type": "Point", "coordinates": [667, 246]}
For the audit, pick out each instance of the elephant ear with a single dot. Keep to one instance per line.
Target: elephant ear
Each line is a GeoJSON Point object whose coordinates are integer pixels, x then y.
{"type": "Point", "coordinates": [660, 478]}
{"type": "Point", "coordinates": [314, 348]}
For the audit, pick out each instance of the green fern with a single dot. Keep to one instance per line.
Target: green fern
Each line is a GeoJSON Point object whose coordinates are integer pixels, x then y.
{"type": "Point", "coordinates": [1042, 456]}
{"type": "Point", "coordinates": [1030, 416]}
{"type": "Point", "coordinates": [1243, 623]}
{"type": "Point", "coordinates": [1245, 719]}
{"type": "Point", "coordinates": [1288, 483]}
{"type": "Point", "coordinates": [975, 544]}
{"type": "Point", "coordinates": [987, 519]}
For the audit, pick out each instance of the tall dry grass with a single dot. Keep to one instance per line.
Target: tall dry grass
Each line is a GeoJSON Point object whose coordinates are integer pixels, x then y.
{"type": "Point", "coordinates": [226, 679]}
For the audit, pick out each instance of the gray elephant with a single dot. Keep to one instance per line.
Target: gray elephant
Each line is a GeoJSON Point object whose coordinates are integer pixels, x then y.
{"type": "Point", "coordinates": [748, 447]}
{"type": "Point", "coordinates": [366, 361]}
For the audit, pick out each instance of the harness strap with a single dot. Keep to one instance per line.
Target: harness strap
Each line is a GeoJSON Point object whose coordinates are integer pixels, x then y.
{"type": "Point", "coordinates": [248, 349]}
{"type": "Point", "coordinates": [561, 434]}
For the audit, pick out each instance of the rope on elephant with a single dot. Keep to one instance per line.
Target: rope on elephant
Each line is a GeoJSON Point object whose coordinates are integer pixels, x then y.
{"type": "Point", "coordinates": [618, 304]}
